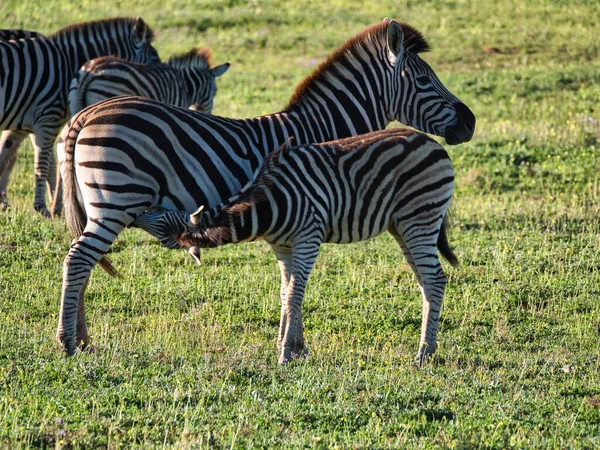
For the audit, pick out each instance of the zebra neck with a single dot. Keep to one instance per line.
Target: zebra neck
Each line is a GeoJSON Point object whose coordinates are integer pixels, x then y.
{"type": "Point", "coordinates": [81, 46]}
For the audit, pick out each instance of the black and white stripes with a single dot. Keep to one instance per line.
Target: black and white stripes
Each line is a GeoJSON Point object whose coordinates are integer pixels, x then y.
{"type": "Point", "coordinates": [124, 156]}
{"type": "Point", "coordinates": [34, 81]}
{"type": "Point", "coordinates": [342, 191]}
{"type": "Point", "coordinates": [186, 80]}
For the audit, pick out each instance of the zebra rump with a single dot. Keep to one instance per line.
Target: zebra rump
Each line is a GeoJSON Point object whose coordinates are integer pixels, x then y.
{"type": "Point", "coordinates": [342, 191]}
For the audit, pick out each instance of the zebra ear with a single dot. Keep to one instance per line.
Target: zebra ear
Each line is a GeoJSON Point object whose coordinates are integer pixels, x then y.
{"type": "Point", "coordinates": [220, 70]}
{"type": "Point", "coordinates": [395, 39]}
{"type": "Point", "coordinates": [141, 29]}
{"type": "Point", "coordinates": [196, 218]}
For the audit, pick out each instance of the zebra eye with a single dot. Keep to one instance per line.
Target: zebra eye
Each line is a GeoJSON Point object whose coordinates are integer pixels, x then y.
{"type": "Point", "coordinates": [423, 79]}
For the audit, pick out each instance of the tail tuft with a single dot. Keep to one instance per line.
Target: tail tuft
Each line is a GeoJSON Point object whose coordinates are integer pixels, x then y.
{"type": "Point", "coordinates": [444, 246]}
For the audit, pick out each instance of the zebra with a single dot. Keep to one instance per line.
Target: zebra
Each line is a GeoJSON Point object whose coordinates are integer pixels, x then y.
{"type": "Point", "coordinates": [34, 83]}
{"type": "Point", "coordinates": [15, 34]}
{"type": "Point", "coordinates": [340, 192]}
{"type": "Point", "coordinates": [126, 155]}
{"type": "Point", "coordinates": [186, 80]}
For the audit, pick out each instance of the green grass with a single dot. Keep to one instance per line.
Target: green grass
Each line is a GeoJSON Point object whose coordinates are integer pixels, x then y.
{"type": "Point", "coordinates": [186, 356]}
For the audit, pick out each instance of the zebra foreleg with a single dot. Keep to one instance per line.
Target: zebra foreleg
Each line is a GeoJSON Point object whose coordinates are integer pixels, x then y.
{"type": "Point", "coordinates": [284, 258]}
{"type": "Point", "coordinates": [302, 261]}
{"type": "Point", "coordinates": [9, 144]}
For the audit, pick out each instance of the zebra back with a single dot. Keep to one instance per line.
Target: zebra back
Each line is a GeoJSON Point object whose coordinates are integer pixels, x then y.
{"type": "Point", "coordinates": [12, 35]}
{"type": "Point", "coordinates": [123, 37]}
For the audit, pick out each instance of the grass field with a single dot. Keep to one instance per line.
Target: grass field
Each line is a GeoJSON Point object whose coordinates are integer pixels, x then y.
{"type": "Point", "coordinates": [186, 357]}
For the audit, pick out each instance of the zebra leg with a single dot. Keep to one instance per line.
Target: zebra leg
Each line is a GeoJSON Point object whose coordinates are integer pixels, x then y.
{"type": "Point", "coordinates": [284, 258]}
{"type": "Point", "coordinates": [44, 164]}
{"type": "Point", "coordinates": [303, 259]}
{"type": "Point", "coordinates": [82, 339]}
{"type": "Point", "coordinates": [54, 189]}
{"type": "Point", "coordinates": [421, 253]}
{"type": "Point", "coordinates": [84, 254]}
{"type": "Point", "coordinates": [9, 144]}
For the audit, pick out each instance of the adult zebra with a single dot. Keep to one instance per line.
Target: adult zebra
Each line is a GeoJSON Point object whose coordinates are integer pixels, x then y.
{"type": "Point", "coordinates": [34, 84]}
{"type": "Point", "coordinates": [186, 80]}
{"type": "Point", "coordinates": [342, 191]}
{"type": "Point", "coordinates": [126, 155]}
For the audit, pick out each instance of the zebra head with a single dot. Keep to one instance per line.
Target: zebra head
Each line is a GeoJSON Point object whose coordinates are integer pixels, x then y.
{"type": "Point", "coordinates": [419, 99]}
{"type": "Point", "coordinates": [141, 41]}
{"type": "Point", "coordinates": [204, 102]}
{"type": "Point", "coordinates": [199, 77]}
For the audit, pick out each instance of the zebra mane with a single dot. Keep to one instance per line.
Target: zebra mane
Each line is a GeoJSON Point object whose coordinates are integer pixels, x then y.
{"type": "Point", "coordinates": [197, 58]}
{"type": "Point", "coordinates": [102, 24]}
{"type": "Point", "coordinates": [374, 36]}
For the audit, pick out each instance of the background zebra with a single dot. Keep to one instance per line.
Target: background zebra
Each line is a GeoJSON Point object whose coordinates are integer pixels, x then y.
{"type": "Point", "coordinates": [124, 156]}
{"type": "Point", "coordinates": [34, 85]}
{"type": "Point", "coordinates": [342, 191]}
{"type": "Point", "coordinates": [186, 80]}
{"type": "Point", "coordinates": [11, 35]}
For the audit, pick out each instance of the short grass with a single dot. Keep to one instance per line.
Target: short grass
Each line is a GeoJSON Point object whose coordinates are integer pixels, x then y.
{"type": "Point", "coordinates": [186, 357]}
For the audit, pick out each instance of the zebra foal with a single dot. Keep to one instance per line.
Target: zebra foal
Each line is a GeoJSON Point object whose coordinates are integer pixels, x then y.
{"type": "Point", "coordinates": [185, 80]}
{"type": "Point", "coordinates": [35, 74]}
{"type": "Point", "coordinates": [342, 191]}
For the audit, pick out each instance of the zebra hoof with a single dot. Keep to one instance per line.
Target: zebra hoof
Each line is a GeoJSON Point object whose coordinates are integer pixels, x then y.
{"type": "Point", "coordinates": [285, 357]}
{"type": "Point", "coordinates": [4, 205]}
{"type": "Point", "coordinates": [68, 346]}
{"type": "Point", "coordinates": [424, 353]}
{"type": "Point", "coordinates": [43, 211]}
{"type": "Point", "coordinates": [300, 352]}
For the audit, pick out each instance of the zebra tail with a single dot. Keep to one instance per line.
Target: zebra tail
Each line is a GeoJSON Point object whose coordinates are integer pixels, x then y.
{"type": "Point", "coordinates": [444, 246]}
{"type": "Point", "coordinates": [75, 215]}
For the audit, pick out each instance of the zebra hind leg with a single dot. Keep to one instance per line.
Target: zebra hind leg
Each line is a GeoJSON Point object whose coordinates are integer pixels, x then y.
{"type": "Point", "coordinates": [9, 144]}
{"type": "Point", "coordinates": [86, 251]}
{"type": "Point", "coordinates": [420, 250]}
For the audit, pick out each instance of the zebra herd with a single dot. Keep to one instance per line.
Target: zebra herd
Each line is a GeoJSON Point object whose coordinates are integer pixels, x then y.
{"type": "Point", "coordinates": [140, 162]}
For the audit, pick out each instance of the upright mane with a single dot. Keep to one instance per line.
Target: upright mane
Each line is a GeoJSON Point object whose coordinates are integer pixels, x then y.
{"type": "Point", "coordinates": [100, 25]}
{"type": "Point", "coordinates": [373, 37]}
{"type": "Point", "coordinates": [199, 58]}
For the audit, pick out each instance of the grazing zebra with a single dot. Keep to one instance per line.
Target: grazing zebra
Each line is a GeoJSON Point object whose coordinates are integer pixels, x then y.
{"type": "Point", "coordinates": [34, 86]}
{"type": "Point", "coordinates": [124, 156]}
{"type": "Point", "coordinates": [12, 35]}
{"type": "Point", "coordinates": [341, 191]}
{"type": "Point", "coordinates": [186, 80]}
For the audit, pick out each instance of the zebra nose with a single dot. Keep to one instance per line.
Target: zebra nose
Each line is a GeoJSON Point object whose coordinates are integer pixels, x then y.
{"type": "Point", "coordinates": [464, 128]}
{"type": "Point", "coordinates": [465, 117]}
